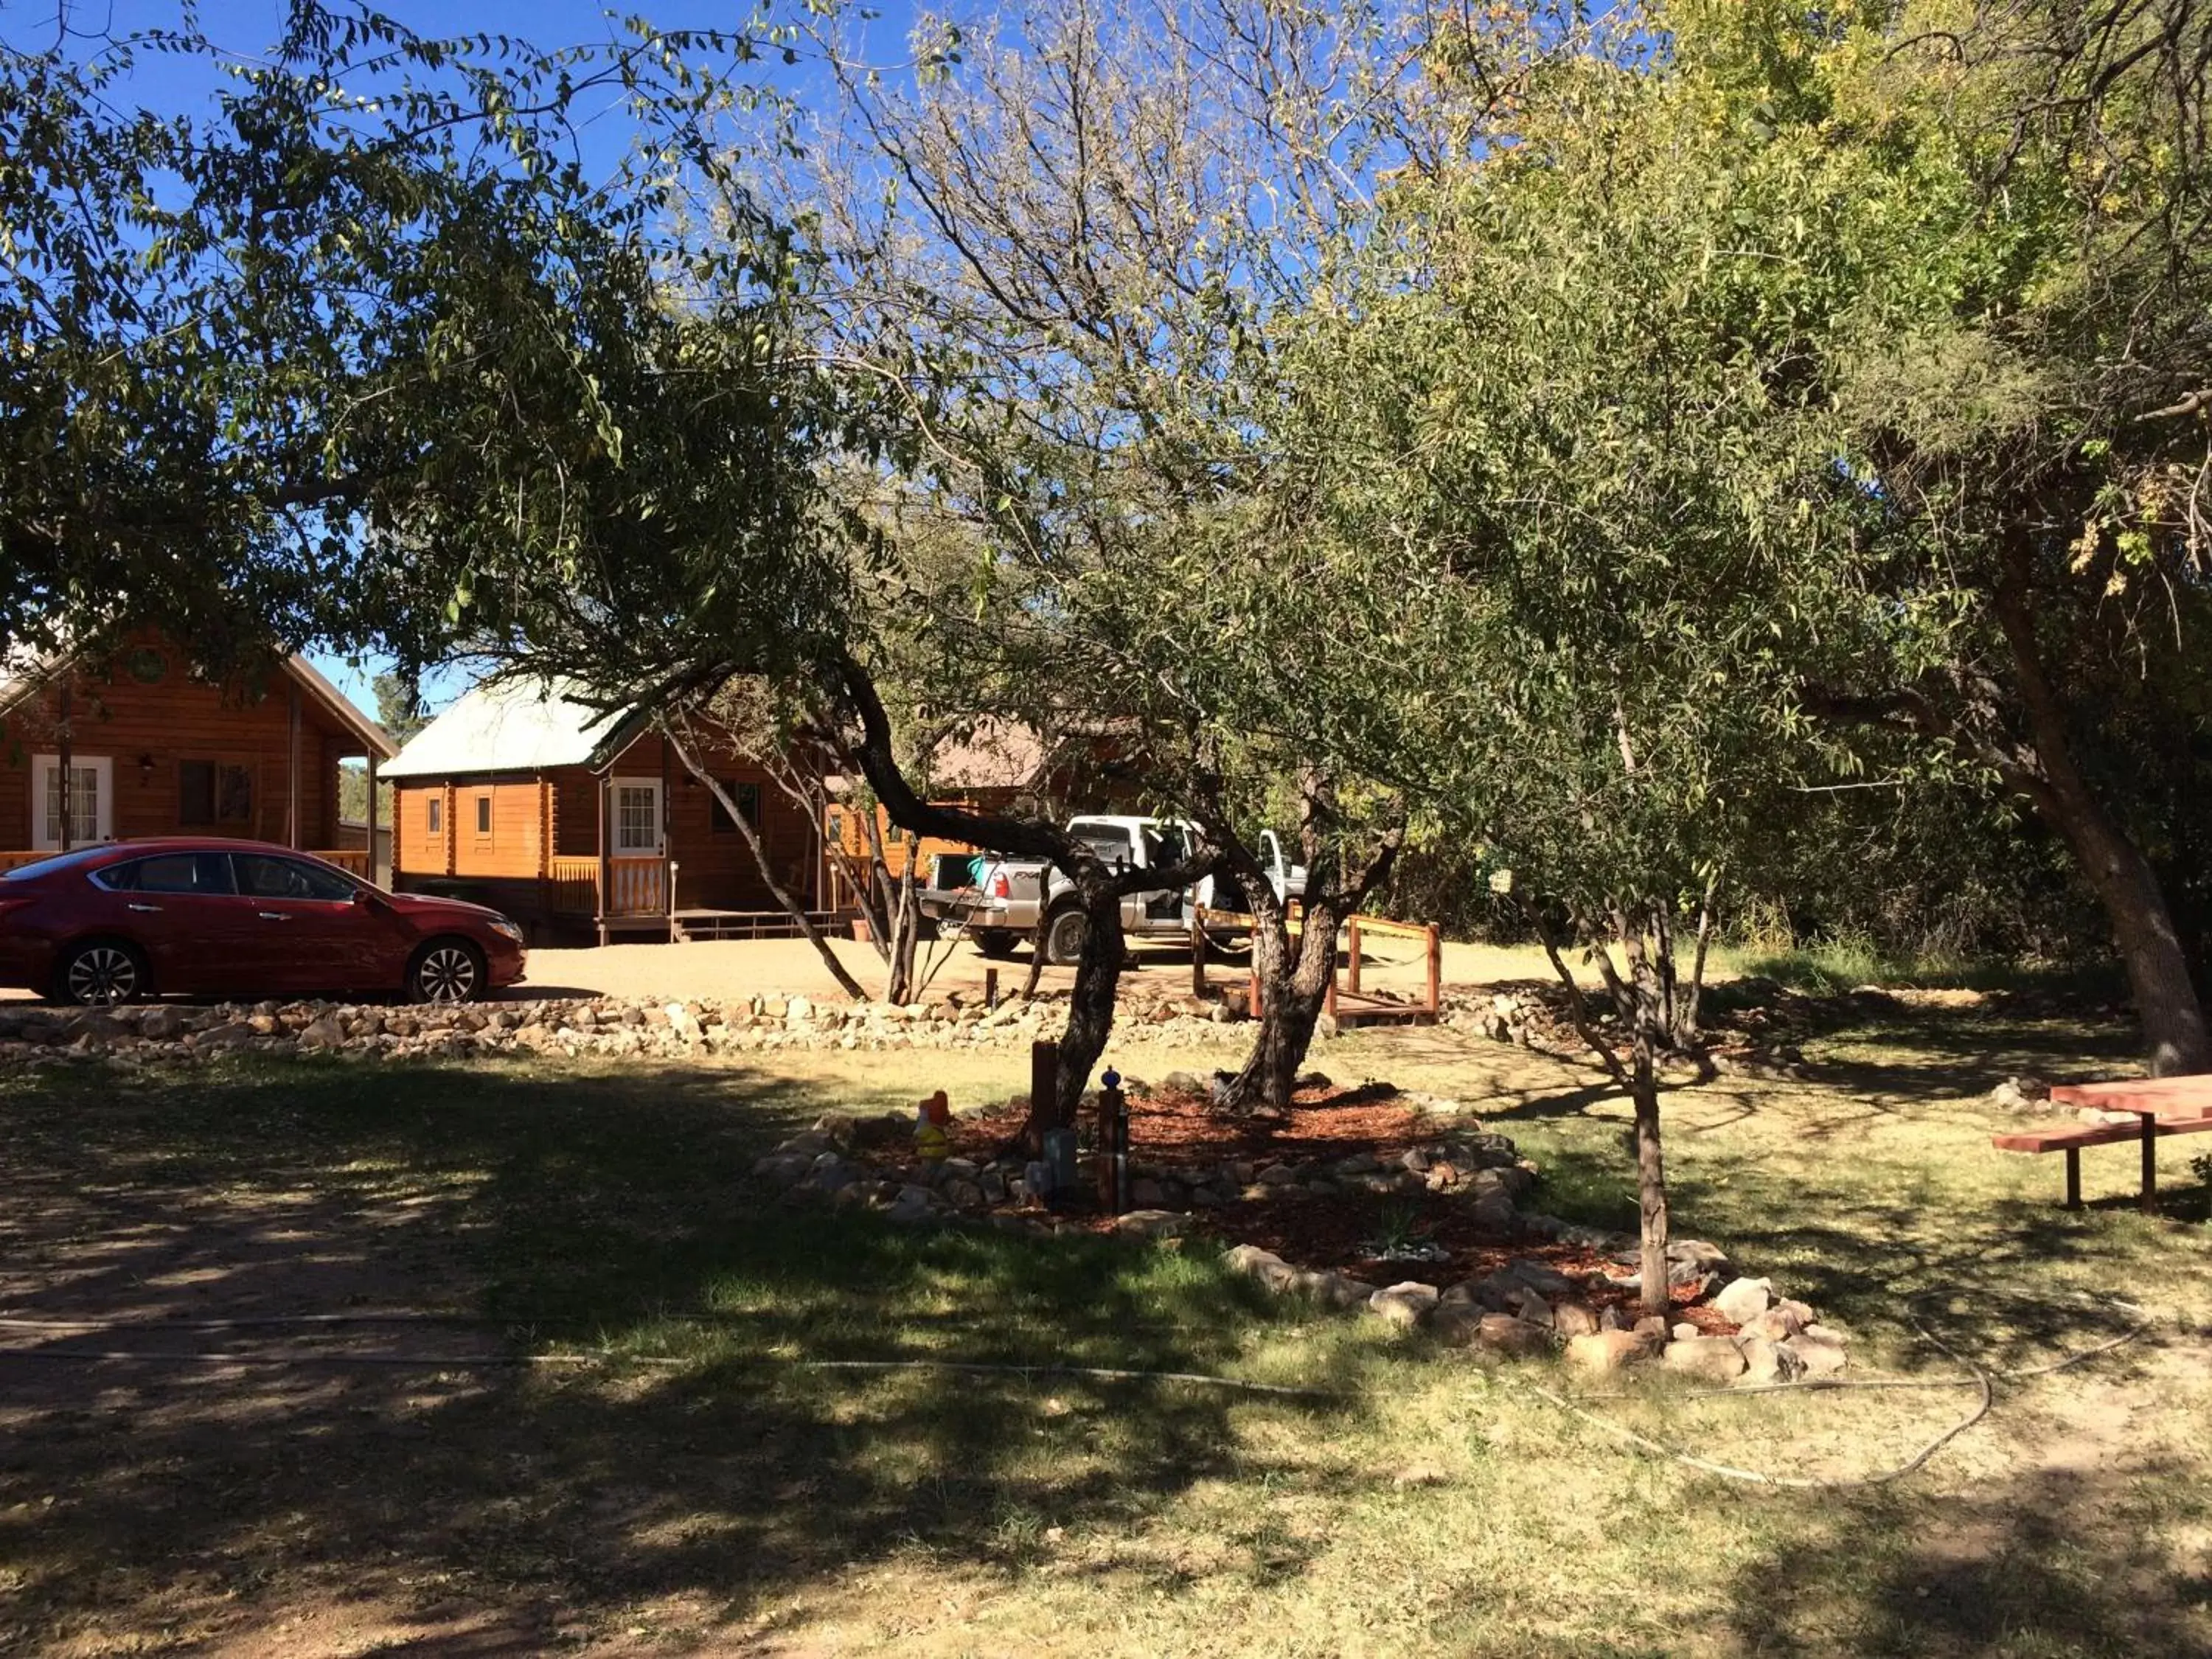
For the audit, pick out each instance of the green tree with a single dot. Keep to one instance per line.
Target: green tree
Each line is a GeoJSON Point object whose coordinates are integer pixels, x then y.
{"type": "Point", "coordinates": [1923, 283]}
{"type": "Point", "coordinates": [290, 366]}
{"type": "Point", "coordinates": [1067, 250]}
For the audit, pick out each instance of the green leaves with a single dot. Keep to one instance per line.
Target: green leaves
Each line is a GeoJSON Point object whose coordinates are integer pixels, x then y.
{"type": "Point", "coordinates": [307, 357]}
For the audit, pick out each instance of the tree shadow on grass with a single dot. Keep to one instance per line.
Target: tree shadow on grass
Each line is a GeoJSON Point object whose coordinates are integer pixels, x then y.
{"type": "Point", "coordinates": [1950, 1055]}
{"type": "Point", "coordinates": [183, 1498]}
{"type": "Point", "coordinates": [2048, 1561]}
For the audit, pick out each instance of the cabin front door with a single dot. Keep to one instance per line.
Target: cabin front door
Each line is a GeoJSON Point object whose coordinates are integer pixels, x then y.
{"type": "Point", "coordinates": [91, 801]}
{"type": "Point", "coordinates": [637, 864]}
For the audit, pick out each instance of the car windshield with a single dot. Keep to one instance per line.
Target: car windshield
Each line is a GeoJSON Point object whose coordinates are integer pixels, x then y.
{"type": "Point", "coordinates": [60, 861]}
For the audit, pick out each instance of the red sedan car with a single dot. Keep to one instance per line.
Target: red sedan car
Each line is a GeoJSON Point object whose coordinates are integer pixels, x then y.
{"type": "Point", "coordinates": [138, 918]}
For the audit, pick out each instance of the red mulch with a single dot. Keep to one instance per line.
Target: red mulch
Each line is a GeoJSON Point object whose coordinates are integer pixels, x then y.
{"type": "Point", "coordinates": [1179, 1129]}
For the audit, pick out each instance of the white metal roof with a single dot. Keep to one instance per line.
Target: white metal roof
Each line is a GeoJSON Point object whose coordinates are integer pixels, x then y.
{"type": "Point", "coordinates": [509, 726]}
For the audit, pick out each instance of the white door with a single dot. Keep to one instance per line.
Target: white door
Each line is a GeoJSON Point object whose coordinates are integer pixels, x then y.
{"type": "Point", "coordinates": [92, 801]}
{"type": "Point", "coordinates": [636, 812]}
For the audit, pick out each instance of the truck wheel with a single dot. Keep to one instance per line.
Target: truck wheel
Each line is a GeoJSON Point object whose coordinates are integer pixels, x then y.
{"type": "Point", "coordinates": [1063, 938]}
{"type": "Point", "coordinates": [995, 943]}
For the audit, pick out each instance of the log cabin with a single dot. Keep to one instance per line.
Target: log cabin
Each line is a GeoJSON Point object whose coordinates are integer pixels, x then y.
{"type": "Point", "coordinates": [580, 823]}
{"type": "Point", "coordinates": [150, 744]}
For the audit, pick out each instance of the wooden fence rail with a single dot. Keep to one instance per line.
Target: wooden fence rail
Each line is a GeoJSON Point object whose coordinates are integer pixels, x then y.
{"type": "Point", "coordinates": [1358, 929]}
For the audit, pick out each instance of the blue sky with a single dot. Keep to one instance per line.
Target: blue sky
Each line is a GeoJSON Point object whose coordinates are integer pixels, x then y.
{"type": "Point", "coordinates": [173, 84]}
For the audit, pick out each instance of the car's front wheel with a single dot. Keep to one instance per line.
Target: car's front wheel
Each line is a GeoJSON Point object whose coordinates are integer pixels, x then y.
{"type": "Point", "coordinates": [100, 973]}
{"type": "Point", "coordinates": [447, 970]}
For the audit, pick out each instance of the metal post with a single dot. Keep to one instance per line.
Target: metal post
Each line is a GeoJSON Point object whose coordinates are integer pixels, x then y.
{"type": "Point", "coordinates": [1352, 932]}
{"type": "Point", "coordinates": [990, 988]}
{"type": "Point", "coordinates": [2073, 1177]}
{"type": "Point", "coordinates": [1435, 968]}
{"type": "Point", "coordinates": [606, 850]}
{"type": "Point", "coordinates": [1117, 1119]}
{"type": "Point", "coordinates": [2150, 1162]}
{"type": "Point", "coordinates": [1198, 950]}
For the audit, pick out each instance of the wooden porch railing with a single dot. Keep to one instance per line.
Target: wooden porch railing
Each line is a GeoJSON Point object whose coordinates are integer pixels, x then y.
{"type": "Point", "coordinates": [1356, 930]}
{"type": "Point", "coordinates": [572, 886]}
{"type": "Point", "coordinates": [635, 887]}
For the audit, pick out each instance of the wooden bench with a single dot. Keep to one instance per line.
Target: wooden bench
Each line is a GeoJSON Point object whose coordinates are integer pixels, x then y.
{"type": "Point", "coordinates": [2161, 1106]}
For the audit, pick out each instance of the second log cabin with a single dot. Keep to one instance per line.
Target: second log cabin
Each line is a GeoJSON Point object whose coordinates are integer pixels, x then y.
{"type": "Point", "coordinates": [581, 824]}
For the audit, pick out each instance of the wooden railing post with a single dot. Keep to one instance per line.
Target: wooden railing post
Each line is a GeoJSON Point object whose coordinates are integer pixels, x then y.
{"type": "Point", "coordinates": [1045, 1093]}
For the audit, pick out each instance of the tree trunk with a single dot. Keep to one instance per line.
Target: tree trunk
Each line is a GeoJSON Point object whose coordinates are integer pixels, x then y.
{"type": "Point", "coordinates": [2167, 1004]}
{"type": "Point", "coordinates": [1293, 987]}
{"type": "Point", "coordinates": [1638, 1000]}
{"type": "Point", "coordinates": [905, 920]}
{"type": "Point", "coordinates": [1036, 950]}
{"type": "Point", "coordinates": [1650, 1173]}
{"type": "Point", "coordinates": [791, 907]}
{"type": "Point", "coordinates": [1688, 1009]}
{"type": "Point", "coordinates": [1651, 989]}
{"type": "Point", "coordinates": [2173, 1029]}
{"type": "Point", "coordinates": [1098, 969]}
{"type": "Point", "coordinates": [1091, 1002]}
{"type": "Point", "coordinates": [1294, 981]}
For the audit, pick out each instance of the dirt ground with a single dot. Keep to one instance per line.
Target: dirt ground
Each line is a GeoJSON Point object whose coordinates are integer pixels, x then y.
{"type": "Point", "coordinates": [722, 969]}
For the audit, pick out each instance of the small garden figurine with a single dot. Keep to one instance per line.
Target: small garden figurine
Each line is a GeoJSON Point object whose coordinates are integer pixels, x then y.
{"type": "Point", "coordinates": [930, 1142]}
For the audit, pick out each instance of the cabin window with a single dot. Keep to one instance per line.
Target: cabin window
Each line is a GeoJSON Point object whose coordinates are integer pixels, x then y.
{"type": "Point", "coordinates": [748, 798]}
{"type": "Point", "coordinates": [483, 815]}
{"type": "Point", "coordinates": [433, 816]}
{"type": "Point", "coordinates": [213, 793]}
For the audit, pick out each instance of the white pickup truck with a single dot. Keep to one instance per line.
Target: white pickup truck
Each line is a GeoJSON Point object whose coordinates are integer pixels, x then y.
{"type": "Point", "coordinates": [996, 901]}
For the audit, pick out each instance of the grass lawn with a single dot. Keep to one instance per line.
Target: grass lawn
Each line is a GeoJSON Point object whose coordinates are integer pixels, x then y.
{"type": "Point", "coordinates": [736, 1502]}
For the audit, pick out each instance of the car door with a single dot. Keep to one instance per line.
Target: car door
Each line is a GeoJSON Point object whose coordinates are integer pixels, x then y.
{"type": "Point", "coordinates": [1117, 849]}
{"type": "Point", "coordinates": [311, 929]}
{"type": "Point", "coordinates": [181, 909]}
